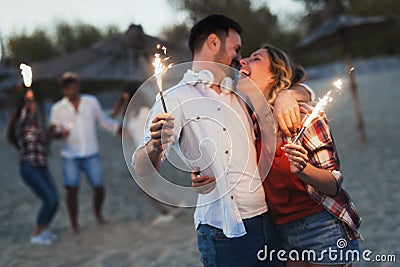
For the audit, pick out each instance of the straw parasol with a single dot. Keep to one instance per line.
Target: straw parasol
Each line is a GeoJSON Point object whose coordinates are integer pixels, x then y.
{"type": "Point", "coordinates": [124, 57]}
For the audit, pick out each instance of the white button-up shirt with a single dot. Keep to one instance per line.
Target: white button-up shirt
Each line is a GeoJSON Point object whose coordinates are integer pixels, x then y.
{"type": "Point", "coordinates": [81, 123]}
{"type": "Point", "coordinates": [215, 132]}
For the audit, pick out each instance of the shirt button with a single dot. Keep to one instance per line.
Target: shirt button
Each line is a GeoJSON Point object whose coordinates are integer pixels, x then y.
{"type": "Point", "coordinates": [219, 109]}
{"type": "Point", "coordinates": [231, 197]}
{"type": "Point", "coordinates": [197, 118]}
{"type": "Point", "coordinates": [224, 129]}
{"type": "Point", "coordinates": [226, 151]}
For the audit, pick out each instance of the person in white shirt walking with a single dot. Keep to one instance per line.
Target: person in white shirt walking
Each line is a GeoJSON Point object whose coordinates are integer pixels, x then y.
{"type": "Point", "coordinates": [73, 119]}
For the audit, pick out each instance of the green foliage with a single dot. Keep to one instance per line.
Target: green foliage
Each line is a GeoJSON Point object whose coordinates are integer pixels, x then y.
{"type": "Point", "coordinates": [259, 25]}
{"type": "Point", "coordinates": [374, 8]}
{"type": "Point", "coordinates": [30, 48]}
{"type": "Point", "coordinates": [178, 34]}
{"type": "Point", "coordinates": [72, 37]}
{"type": "Point", "coordinates": [385, 42]}
{"type": "Point", "coordinates": [42, 45]}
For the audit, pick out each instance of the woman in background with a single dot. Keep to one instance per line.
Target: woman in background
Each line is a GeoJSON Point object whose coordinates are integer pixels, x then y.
{"type": "Point", "coordinates": [25, 133]}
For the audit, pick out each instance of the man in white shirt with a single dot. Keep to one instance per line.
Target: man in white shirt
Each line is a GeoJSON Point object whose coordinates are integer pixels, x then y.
{"type": "Point", "coordinates": [73, 119]}
{"type": "Point", "coordinates": [230, 219]}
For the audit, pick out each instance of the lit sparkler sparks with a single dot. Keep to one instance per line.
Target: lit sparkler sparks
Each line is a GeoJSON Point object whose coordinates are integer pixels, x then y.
{"type": "Point", "coordinates": [26, 72]}
{"type": "Point", "coordinates": [159, 69]}
{"type": "Point", "coordinates": [318, 108]}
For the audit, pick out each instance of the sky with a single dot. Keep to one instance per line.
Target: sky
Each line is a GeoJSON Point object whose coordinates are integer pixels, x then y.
{"type": "Point", "coordinates": [17, 16]}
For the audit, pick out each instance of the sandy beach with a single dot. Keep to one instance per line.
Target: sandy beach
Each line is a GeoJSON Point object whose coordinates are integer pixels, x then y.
{"type": "Point", "coordinates": [371, 171]}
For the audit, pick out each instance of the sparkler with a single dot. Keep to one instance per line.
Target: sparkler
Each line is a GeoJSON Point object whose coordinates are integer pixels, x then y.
{"type": "Point", "coordinates": [159, 68]}
{"type": "Point", "coordinates": [26, 73]}
{"type": "Point", "coordinates": [318, 108]}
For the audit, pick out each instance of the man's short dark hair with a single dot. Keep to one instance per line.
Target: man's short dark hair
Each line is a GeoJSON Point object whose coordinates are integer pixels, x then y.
{"type": "Point", "coordinates": [218, 24]}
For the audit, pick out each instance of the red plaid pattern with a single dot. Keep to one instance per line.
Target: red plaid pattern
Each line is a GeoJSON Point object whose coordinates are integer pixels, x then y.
{"type": "Point", "coordinates": [322, 153]}
{"type": "Point", "coordinates": [32, 140]}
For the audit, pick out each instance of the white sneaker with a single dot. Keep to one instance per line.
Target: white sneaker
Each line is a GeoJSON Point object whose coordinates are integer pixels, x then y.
{"type": "Point", "coordinates": [41, 239]}
{"type": "Point", "coordinates": [163, 219]}
{"type": "Point", "coordinates": [50, 235]}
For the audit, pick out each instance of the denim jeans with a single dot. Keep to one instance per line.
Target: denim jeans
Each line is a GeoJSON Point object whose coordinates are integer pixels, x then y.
{"type": "Point", "coordinates": [42, 184]}
{"type": "Point", "coordinates": [91, 166]}
{"type": "Point", "coordinates": [320, 233]}
{"type": "Point", "coordinates": [218, 250]}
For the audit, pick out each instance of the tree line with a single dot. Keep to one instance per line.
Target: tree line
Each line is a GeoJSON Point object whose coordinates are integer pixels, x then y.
{"type": "Point", "coordinates": [43, 44]}
{"type": "Point", "coordinates": [259, 24]}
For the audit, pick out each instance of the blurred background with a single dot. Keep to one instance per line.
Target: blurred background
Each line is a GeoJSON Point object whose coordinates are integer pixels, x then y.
{"type": "Point", "coordinates": [54, 36]}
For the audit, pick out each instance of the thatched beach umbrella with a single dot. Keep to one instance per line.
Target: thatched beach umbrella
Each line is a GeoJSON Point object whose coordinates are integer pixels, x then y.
{"type": "Point", "coordinates": [124, 57]}
{"type": "Point", "coordinates": [344, 30]}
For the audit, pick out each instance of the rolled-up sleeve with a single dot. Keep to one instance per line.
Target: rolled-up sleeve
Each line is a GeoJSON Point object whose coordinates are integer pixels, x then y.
{"type": "Point", "coordinates": [105, 122]}
{"type": "Point", "coordinates": [320, 146]}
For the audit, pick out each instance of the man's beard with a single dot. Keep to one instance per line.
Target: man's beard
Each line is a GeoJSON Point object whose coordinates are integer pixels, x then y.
{"type": "Point", "coordinates": [219, 58]}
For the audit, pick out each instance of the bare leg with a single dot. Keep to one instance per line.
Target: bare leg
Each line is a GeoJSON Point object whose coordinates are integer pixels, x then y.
{"type": "Point", "coordinates": [98, 199]}
{"type": "Point", "coordinates": [72, 205]}
{"type": "Point", "coordinates": [159, 206]}
{"type": "Point", "coordinates": [38, 229]}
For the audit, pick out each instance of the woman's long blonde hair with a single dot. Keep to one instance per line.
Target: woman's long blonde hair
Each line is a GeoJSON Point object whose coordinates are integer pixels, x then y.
{"type": "Point", "coordinates": [282, 71]}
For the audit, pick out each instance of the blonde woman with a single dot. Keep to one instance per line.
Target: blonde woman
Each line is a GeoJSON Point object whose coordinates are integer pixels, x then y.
{"type": "Point", "coordinates": [304, 189]}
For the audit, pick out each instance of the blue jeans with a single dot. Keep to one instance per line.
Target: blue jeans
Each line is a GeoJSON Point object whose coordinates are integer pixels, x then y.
{"type": "Point", "coordinates": [91, 166]}
{"type": "Point", "coordinates": [218, 250]}
{"type": "Point", "coordinates": [42, 184]}
{"type": "Point", "coordinates": [320, 233]}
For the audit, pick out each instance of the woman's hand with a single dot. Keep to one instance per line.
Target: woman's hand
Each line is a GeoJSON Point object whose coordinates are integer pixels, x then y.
{"type": "Point", "coordinates": [297, 157]}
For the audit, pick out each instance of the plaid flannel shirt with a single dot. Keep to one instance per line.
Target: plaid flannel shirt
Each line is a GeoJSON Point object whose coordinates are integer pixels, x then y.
{"type": "Point", "coordinates": [322, 153]}
{"type": "Point", "coordinates": [32, 140]}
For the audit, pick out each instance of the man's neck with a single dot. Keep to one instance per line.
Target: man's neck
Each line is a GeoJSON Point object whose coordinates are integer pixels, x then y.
{"type": "Point", "coordinates": [75, 101]}
{"type": "Point", "coordinates": [215, 69]}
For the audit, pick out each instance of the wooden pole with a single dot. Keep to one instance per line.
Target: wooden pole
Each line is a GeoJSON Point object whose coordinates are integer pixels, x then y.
{"type": "Point", "coordinates": [353, 85]}
{"type": "Point", "coordinates": [354, 96]}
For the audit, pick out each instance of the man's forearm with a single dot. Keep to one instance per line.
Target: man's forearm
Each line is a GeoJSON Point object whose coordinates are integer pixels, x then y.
{"type": "Point", "coordinates": [147, 159]}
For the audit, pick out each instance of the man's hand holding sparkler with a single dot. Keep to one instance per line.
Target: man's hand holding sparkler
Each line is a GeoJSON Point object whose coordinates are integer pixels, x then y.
{"type": "Point", "coordinates": [149, 157]}
{"type": "Point", "coordinates": [161, 132]}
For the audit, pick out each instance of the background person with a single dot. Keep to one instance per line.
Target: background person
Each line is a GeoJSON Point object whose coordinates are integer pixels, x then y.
{"type": "Point", "coordinates": [74, 119]}
{"type": "Point", "coordinates": [27, 135]}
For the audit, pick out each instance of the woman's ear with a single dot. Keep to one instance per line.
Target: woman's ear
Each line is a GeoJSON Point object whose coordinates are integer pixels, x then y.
{"type": "Point", "coordinates": [213, 42]}
{"type": "Point", "coordinates": [271, 80]}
